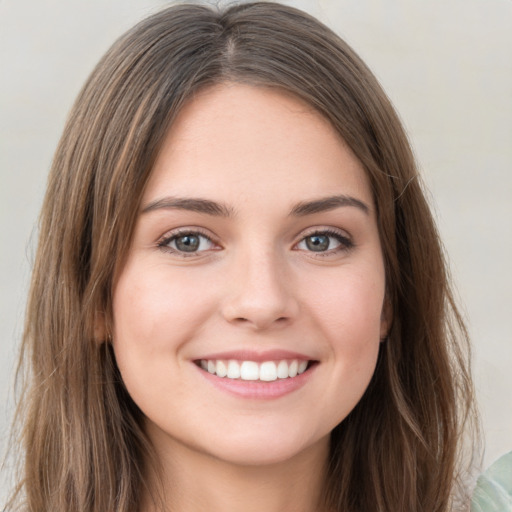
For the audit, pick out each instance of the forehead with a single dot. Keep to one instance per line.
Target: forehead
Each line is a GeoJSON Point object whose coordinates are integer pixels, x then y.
{"type": "Point", "coordinates": [245, 142]}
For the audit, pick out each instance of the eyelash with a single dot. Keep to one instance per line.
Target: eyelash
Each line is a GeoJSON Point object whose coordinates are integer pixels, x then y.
{"type": "Point", "coordinates": [345, 243]}
{"type": "Point", "coordinates": [168, 239]}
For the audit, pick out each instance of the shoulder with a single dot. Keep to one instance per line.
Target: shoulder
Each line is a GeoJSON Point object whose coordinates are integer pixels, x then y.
{"type": "Point", "coordinates": [493, 492]}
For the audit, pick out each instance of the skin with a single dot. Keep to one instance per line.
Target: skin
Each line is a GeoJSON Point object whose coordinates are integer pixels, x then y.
{"type": "Point", "coordinates": [253, 284]}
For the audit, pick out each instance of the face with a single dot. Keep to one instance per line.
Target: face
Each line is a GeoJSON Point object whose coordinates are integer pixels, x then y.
{"type": "Point", "coordinates": [249, 311]}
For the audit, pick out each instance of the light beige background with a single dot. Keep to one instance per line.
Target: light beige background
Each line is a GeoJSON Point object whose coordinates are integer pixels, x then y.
{"type": "Point", "coordinates": [447, 66]}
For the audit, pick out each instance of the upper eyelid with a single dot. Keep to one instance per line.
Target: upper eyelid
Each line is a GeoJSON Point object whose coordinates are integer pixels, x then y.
{"type": "Point", "coordinates": [322, 230]}
{"type": "Point", "coordinates": [174, 233]}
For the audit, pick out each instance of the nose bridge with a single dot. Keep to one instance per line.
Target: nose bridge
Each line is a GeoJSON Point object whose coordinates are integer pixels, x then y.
{"type": "Point", "coordinates": [260, 292]}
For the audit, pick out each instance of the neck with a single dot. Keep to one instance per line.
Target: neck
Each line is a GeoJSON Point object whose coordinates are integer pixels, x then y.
{"type": "Point", "coordinates": [194, 482]}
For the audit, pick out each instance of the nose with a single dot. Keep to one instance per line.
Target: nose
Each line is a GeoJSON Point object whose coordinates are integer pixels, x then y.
{"type": "Point", "coordinates": [260, 293]}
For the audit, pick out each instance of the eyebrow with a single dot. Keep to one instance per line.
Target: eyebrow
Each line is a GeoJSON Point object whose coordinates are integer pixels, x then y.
{"type": "Point", "coordinates": [326, 204]}
{"type": "Point", "coordinates": [209, 207]}
{"type": "Point", "coordinates": [191, 204]}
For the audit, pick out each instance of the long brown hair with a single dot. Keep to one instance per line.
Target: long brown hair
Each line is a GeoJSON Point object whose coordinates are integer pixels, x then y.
{"type": "Point", "coordinates": [81, 433]}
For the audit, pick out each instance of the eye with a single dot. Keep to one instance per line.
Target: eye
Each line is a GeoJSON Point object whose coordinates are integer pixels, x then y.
{"type": "Point", "coordinates": [325, 241]}
{"type": "Point", "coordinates": [187, 242]}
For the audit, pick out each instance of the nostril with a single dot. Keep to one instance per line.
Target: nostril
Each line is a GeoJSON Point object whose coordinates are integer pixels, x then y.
{"type": "Point", "coordinates": [261, 311]}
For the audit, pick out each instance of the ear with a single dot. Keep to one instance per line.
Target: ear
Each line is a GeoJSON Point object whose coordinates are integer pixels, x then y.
{"type": "Point", "coordinates": [100, 327]}
{"type": "Point", "coordinates": [386, 318]}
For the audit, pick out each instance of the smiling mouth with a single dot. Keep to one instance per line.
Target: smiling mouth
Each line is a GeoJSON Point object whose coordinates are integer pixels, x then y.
{"type": "Point", "coordinates": [266, 371]}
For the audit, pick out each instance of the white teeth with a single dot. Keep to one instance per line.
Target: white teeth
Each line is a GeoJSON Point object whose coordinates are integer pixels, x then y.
{"type": "Point", "coordinates": [302, 367]}
{"type": "Point", "coordinates": [282, 370]}
{"type": "Point", "coordinates": [222, 370]}
{"type": "Point", "coordinates": [267, 371]}
{"type": "Point", "coordinates": [249, 371]}
{"type": "Point", "coordinates": [233, 370]}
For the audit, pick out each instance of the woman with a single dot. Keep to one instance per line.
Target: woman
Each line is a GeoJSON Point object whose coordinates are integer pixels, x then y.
{"type": "Point", "coordinates": [239, 299]}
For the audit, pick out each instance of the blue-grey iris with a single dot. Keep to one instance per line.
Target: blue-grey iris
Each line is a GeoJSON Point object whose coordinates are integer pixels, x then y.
{"type": "Point", "coordinates": [317, 243]}
{"type": "Point", "coordinates": [187, 243]}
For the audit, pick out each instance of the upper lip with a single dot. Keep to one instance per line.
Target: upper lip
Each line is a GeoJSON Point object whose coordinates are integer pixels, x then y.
{"type": "Point", "coordinates": [256, 356]}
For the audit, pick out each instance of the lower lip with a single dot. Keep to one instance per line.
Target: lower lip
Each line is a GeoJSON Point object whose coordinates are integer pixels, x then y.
{"type": "Point", "coordinates": [258, 389]}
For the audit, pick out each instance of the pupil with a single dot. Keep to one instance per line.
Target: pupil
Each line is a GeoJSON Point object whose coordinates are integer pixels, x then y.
{"type": "Point", "coordinates": [187, 243]}
{"type": "Point", "coordinates": [317, 243]}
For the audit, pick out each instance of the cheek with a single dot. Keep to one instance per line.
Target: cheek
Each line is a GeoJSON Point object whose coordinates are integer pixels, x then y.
{"type": "Point", "coordinates": [348, 306]}
{"type": "Point", "coordinates": [347, 311]}
{"type": "Point", "coordinates": [153, 307]}
{"type": "Point", "coordinates": [153, 320]}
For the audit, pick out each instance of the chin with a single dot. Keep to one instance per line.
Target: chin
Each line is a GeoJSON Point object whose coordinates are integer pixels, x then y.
{"type": "Point", "coordinates": [266, 448]}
